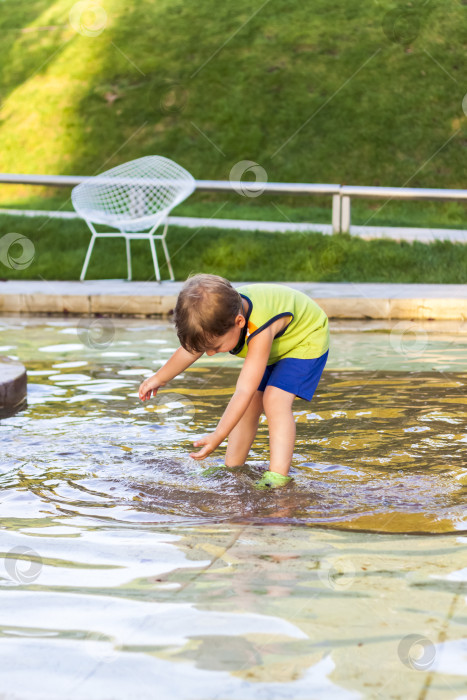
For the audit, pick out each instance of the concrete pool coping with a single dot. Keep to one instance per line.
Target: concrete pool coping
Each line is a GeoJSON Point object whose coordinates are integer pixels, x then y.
{"type": "Point", "coordinates": [338, 299]}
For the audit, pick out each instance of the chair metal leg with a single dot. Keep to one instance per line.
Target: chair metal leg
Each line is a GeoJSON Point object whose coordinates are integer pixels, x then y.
{"type": "Point", "coordinates": [154, 257]}
{"type": "Point", "coordinates": [167, 257]}
{"type": "Point", "coordinates": [128, 256]}
{"type": "Point", "coordinates": [86, 259]}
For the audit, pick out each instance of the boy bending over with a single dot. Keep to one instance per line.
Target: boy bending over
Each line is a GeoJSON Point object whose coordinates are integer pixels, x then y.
{"type": "Point", "coordinates": [283, 336]}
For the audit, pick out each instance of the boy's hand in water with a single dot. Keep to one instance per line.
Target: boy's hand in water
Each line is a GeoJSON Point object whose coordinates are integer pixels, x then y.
{"type": "Point", "coordinates": [148, 387]}
{"type": "Point", "coordinates": [210, 442]}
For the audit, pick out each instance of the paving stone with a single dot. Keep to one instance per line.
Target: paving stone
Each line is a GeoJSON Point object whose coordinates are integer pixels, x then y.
{"type": "Point", "coordinates": [339, 300]}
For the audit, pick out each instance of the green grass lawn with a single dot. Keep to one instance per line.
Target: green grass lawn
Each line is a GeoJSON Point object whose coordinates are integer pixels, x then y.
{"type": "Point", "coordinates": [60, 248]}
{"type": "Point", "coordinates": [345, 92]}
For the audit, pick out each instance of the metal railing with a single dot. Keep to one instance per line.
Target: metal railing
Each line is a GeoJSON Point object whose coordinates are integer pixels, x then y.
{"type": "Point", "coordinates": [389, 193]}
{"type": "Point", "coordinates": [341, 194]}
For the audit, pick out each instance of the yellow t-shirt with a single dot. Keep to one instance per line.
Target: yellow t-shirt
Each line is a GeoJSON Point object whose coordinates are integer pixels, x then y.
{"type": "Point", "coordinates": [305, 337]}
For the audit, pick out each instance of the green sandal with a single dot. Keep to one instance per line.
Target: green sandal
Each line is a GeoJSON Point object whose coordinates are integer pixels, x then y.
{"type": "Point", "coordinates": [272, 480]}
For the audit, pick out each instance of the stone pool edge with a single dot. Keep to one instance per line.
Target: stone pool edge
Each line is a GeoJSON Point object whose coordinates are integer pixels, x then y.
{"type": "Point", "coordinates": [339, 300]}
{"type": "Point", "coordinates": [13, 385]}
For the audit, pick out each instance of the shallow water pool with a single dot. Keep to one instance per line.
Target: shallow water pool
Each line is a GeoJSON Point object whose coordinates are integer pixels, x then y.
{"type": "Point", "coordinates": [126, 562]}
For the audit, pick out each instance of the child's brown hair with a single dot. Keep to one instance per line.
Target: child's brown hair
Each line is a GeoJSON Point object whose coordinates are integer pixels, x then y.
{"type": "Point", "coordinates": [206, 308]}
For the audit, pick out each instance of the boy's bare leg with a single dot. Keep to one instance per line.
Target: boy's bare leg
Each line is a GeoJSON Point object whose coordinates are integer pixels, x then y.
{"type": "Point", "coordinates": [278, 408]}
{"type": "Point", "coordinates": [242, 436]}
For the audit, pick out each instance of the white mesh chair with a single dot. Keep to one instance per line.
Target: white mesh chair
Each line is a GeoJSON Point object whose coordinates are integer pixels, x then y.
{"type": "Point", "coordinates": [134, 198]}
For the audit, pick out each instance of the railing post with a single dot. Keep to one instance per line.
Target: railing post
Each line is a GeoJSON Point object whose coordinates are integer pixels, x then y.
{"type": "Point", "coordinates": [345, 214]}
{"type": "Point", "coordinates": [336, 213]}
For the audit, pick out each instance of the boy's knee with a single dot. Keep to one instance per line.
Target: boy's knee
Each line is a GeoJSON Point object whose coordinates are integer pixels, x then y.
{"type": "Point", "coordinates": [276, 403]}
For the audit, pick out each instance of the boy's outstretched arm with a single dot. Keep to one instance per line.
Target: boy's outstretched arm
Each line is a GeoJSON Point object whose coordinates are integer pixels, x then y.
{"type": "Point", "coordinates": [179, 361]}
{"type": "Point", "coordinates": [247, 385]}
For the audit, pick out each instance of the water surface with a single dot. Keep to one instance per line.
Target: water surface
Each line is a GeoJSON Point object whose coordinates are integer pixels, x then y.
{"type": "Point", "coordinates": [381, 447]}
{"type": "Point", "coordinates": [130, 570]}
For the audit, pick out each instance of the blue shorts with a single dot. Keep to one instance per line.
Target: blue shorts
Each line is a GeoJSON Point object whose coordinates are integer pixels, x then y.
{"type": "Point", "coordinates": [299, 377]}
